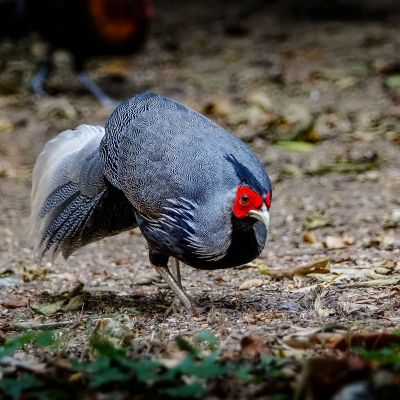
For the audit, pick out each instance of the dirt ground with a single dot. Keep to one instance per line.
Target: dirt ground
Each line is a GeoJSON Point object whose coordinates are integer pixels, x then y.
{"type": "Point", "coordinates": [270, 80]}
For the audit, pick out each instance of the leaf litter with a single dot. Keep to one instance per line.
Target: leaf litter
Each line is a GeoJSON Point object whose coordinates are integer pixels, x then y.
{"type": "Point", "coordinates": [348, 175]}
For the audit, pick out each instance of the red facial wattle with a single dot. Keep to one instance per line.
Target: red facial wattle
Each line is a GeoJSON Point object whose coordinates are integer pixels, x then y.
{"type": "Point", "coordinates": [246, 200]}
{"type": "Point", "coordinates": [268, 200]}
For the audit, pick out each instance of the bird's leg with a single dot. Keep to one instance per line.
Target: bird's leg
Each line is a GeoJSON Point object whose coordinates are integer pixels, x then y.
{"type": "Point", "coordinates": [174, 308]}
{"type": "Point", "coordinates": [176, 271]}
{"type": "Point", "coordinates": [175, 287]}
{"type": "Point", "coordinates": [97, 92]}
{"type": "Point", "coordinates": [40, 78]}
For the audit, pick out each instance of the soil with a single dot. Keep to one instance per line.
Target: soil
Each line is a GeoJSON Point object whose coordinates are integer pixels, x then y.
{"type": "Point", "coordinates": [267, 77]}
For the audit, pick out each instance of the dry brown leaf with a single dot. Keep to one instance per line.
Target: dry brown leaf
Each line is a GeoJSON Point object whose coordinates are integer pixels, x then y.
{"type": "Point", "coordinates": [260, 99]}
{"type": "Point", "coordinates": [319, 266]}
{"type": "Point", "coordinates": [217, 108]}
{"type": "Point", "coordinates": [251, 346]}
{"type": "Point", "coordinates": [250, 283]}
{"type": "Point", "coordinates": [12, 304]}
{"type": "Point", "coordinates": [316, 222]}
{"type": "Point", "coordinates": [320, 310]}
{"type": "Point", "coordinates": [366, 340]}
{"type": "Point", "coordinates": [310, 238]}
{"type": "Point", "coordinates": [73, 301]}
{"type": "Point", "coordinates": [113, 331]}
{"type": "Point", "coordinates": [311, 337]}
{"type": "Point", "coordinates": [338, 242]}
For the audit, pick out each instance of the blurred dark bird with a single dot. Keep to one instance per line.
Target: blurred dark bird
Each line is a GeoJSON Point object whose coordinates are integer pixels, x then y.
{"type": "Point", "coordinates": [84, 27]}
{"type": "Point", "coordinates": [197, 193]}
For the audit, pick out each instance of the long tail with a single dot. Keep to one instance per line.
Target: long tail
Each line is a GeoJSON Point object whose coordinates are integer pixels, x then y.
{"type": "Point", "coordinates": [67, 185]}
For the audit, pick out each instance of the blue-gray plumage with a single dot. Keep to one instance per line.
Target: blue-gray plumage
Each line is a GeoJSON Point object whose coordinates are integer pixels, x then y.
{"type": "Point", "coordinates": [196, 192]}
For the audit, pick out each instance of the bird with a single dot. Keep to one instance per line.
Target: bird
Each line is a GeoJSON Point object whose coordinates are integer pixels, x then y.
{"type": "Point", "coordinates": [198, 194]}
{"type": "Point", "coordinates": [85, 28]}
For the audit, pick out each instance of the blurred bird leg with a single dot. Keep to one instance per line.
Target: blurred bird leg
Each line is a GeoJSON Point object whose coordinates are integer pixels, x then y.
{"type": "Point", "coordinates": [175, 287]}
{"type": "Point", "coordinates": [176, 271]}
{"type": "Point", "coordinates": [40, 78]}
{"type": "Point", "coordinates": [91, 86]}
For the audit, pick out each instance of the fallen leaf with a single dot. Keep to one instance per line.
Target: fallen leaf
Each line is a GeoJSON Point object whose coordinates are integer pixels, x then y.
{"type": "Point", "coordinates": [310, 238]}
{"type": "Point", "coordinates": [48, 309]}
{"type": "Point", "coordinates": [251, 346]}
{"type": "Point", "coordinates": [72, 302]}
{"type": "Point", "coordinates": [319, 266]}
{"type": "Point", "coordinates": [217, 108]}
{"type": "Point", "coordinates": [343, 167]}
{"type": "Point", "coordinates": [12, 304]}
{"type": "Point", "coordinates": [112, 330]}
{"type": "Point", "coordinates": [295, 146]}
{"type": "Point", "coordinates": [310, 337]}
{"type": "Point", "coordinates": [316, 221]}
{"type": "Point", "coordinates": [393, 82]}
{"type": "Point", "coordinates": [320, 310]}
{"type": "Point", "coordinates": [147, 278]}
{"type": "Point", "coordinates": [261, 100]}
{"type": "Point", "coordinates": [366, 340]}
{"type": "Point", "coordinates": [393, 221]}
{"type": "Point", "coordinates": [251, 283]}
{"type": "Point", "coordinates": [336, 242]}
{"type": "Point", "coordinates": [383, 242]}
{"type": "Point", "coordinates": [6, 126]}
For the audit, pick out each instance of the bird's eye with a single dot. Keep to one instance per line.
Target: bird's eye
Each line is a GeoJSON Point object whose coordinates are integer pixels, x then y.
{"type": "Point", "coordinates": [244, 199]}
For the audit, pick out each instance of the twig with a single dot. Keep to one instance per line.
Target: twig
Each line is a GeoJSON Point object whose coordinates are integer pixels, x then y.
{"type": "Point", "coordinates": [374, 283]}
{"type": "Point", "coordinates": [26, 326]}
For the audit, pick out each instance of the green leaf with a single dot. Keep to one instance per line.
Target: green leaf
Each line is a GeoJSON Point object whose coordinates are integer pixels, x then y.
{"type": "Point", "coordinates": [393, 82]}
{"type": "Point", "coordinates": [15, 387]}
{"type": "Point", "coordinates": [105, 348]}
{"type": "Point", "coordinates": [295, 146]}
{"type": "Point", "coordinates": [145, 370]}
{"type": "Point", "coordinates": [48, 309]}
{"type": "Point", "coordinates": [244, 372]}
{"type": "Point", "coordinates": [41, 339]}
{"type": "Point", "coordinates": [44, 339]}
{"type": "Point", "coordinates": [207, 337]}
{"type": "Point", "coordinates": [387, 356]}
{"type": "Point", "coordinates": [193, 390]}
{"type": "Point", "coordinates": [186, 346]}
{"type": "Point", "coordinates": [104, 377]}
{"type": "Point", "coordinates": [209, 367]}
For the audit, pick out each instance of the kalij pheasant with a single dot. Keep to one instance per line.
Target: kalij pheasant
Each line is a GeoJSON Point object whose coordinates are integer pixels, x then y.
{"type": "Point", "coordinates": [196, 192]}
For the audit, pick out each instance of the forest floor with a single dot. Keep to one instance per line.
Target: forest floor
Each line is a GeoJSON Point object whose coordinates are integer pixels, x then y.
{"type": "Point", "coordinates": [319, 102]}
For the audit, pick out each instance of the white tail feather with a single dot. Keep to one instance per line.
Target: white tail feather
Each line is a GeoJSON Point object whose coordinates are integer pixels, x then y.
{"type": "Point", "coordinates": [52, 169]}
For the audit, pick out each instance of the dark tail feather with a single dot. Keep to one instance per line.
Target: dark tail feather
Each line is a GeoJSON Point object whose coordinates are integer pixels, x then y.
{"type": "Point", "coordinates": [68, 220]}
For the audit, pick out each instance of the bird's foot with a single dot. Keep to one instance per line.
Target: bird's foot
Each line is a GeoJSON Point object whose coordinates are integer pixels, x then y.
{"type": "Point", "coordinates": [97, 92]}
{"type": "Point", "coordinates": [177, 308]}
{"type": "Point", "coordinates": [38, 81]}
{"type": "Point", "coordinates": [175, 287]}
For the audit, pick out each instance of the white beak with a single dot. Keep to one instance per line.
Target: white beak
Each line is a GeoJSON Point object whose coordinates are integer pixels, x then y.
{"type": "Point", "coordinates": [262, 215]}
